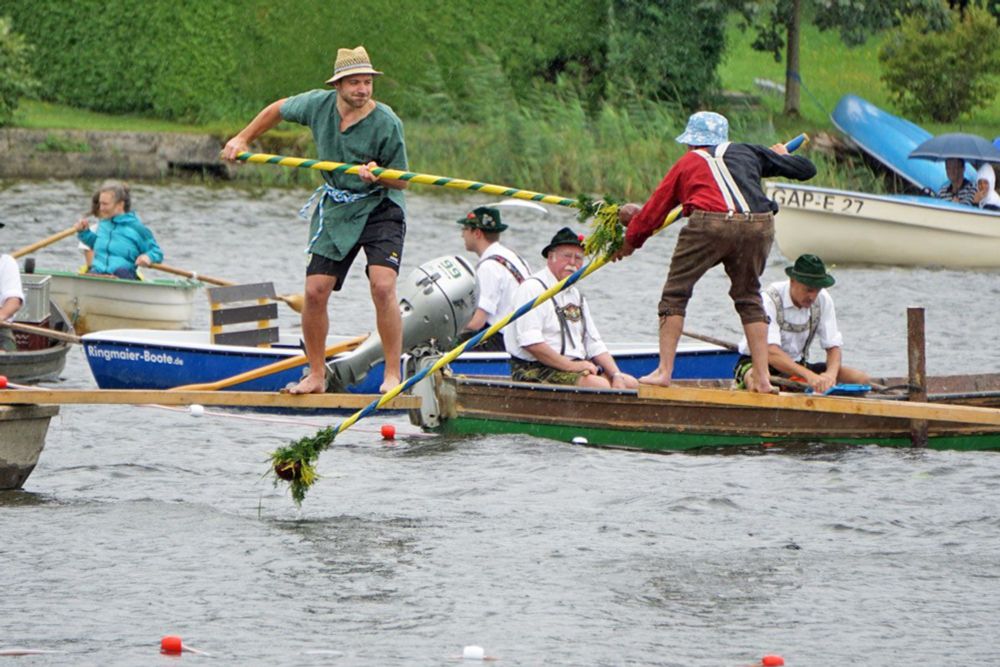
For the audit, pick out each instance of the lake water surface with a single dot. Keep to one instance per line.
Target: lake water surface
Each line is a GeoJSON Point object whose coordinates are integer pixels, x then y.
{"type": "Point", "coordinates": [141, 521]}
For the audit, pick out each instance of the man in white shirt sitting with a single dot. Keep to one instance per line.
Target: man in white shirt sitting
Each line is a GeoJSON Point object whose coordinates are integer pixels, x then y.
{"type": "Point", "coordinates": [11, 299]}
{"type": "Point", "coordinates": [557, 342]}
{"type": "Point", "coordinates": [800, 310]}
{"type": "Point", "coordinates": [499, 271]}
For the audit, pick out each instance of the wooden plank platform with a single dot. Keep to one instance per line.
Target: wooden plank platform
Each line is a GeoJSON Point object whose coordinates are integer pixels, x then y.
{"type": "Point", "coordinates": [228, 398]}
{"type": "Point", "coordinates": [962, 414]}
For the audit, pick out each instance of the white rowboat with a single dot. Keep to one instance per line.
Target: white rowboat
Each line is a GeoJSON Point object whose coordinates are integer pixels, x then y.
{"type": "Point", "coordinates": [96, 303]}
{"type": "Point", "coordinates": [845, 227]}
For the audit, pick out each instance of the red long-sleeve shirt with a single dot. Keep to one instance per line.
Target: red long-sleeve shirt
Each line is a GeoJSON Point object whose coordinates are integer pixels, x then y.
{"type": "Point", "coordinates": [690, 184]}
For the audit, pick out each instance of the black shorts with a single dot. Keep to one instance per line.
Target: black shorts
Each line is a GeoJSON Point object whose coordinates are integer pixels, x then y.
{"type": "Point", "coordinates": [382, 239]}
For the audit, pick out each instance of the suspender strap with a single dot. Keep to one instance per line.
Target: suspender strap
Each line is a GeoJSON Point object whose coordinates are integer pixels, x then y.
{"type": "Point", "coordinates": [505, 263]}
{"type": "Point", "coordinates": [564, 332]}
{"type": "Point", "coordinates": [812, 326]}
{"type": "Point", "coordinates": [735, 201]}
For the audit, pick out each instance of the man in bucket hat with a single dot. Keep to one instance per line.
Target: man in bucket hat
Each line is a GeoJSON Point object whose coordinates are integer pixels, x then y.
{"type": "Point", "coordinates": [11, 299]}
{"type": "Point", "coordinates": [730, 222]}
{"type": "Point", "coordinates": [499, 271]}
{"type": "Point", "coordinates": [557, 342]}
{"type": "Point", "coordinates": [353, 211]}
{"type": "Point", "coordinates": [801, 310]}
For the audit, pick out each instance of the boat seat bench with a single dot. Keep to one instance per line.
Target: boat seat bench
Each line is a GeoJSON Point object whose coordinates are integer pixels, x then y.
{"type": "Point", "coordinates": [233, 305]}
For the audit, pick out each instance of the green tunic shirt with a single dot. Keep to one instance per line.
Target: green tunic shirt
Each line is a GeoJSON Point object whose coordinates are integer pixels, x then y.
{"type": "Point", "coordinates": [377, 137]}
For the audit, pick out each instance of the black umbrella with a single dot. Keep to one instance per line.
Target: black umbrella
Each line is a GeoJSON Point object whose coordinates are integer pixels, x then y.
{"type": "Point", "coordinates": [957, 145]}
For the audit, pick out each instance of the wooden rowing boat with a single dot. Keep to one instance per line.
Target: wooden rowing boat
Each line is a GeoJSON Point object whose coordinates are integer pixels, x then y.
{"type": "Point", "coordinates": [22, 438]}
{"type": "Point", "coordinates": [96, 303]}
{"type": "Point", "coordinates": [707, 415]}
{"type": "Point", "coordinates": [38, 358]}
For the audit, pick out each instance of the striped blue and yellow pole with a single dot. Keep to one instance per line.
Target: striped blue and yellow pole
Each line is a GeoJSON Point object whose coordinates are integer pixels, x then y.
{"type": "Point", "coordinates": [413, 177]}
{"type": "Point", "coordinates": [296, 462]}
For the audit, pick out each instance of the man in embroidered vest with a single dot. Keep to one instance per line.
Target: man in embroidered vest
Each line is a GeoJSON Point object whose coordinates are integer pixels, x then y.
{"type": "Point", "coordinates": [730, 222]}
{"type": "Point", "coordinates": [558, 342]}
{"type": "Point", "coordinates": [801, 310]}
{"type": "Point", "coordinates": [353, 211]}
{"type": "Point", "coordinates": [499, 271]}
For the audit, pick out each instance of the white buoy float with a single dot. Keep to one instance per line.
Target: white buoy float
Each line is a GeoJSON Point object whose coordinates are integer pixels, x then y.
{"type": "Point", "coordinates": [473, 653]}
{"type": "Point", "coordinates": [197, 410]}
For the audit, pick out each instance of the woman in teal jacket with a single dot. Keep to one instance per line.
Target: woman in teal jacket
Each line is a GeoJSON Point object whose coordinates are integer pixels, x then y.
{"type": "Point", "coordinates": [122, 243]}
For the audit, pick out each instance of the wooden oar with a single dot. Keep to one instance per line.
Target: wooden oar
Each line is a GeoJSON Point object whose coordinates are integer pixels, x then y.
{"type": "Point", "coordinates": [294, 301]}
{"type": "Point", "coordinates": [270, 369]}
{"type": "Point", "coordinates": [38, 245]}
{"type": "Point", "coordinates": [41, 331]}
{"type": "Point", "coordinates": [261, 399]}
{"type": "Point", "coordinates": [962, 414]}
{"type": "Point", "coordinates": [732, 347]}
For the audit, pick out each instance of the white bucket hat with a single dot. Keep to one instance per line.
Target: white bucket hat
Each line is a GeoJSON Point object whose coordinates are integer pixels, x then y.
{"type": "Point", "coordinates": [705, 128]}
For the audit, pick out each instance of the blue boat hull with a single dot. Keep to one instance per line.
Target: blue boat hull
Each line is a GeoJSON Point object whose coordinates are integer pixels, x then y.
{"type": "Point", "coordinates": [123, 364]}
{"type": "Point", "coordinates": [890, 139]}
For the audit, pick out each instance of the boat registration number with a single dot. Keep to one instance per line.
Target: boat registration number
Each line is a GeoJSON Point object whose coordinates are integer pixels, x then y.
{"type": "Point", "coordinates": [818, 200]}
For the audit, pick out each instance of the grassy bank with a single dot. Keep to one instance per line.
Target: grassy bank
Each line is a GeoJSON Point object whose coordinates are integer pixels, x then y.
{"type": "Point", "coordinates": [546, 142]}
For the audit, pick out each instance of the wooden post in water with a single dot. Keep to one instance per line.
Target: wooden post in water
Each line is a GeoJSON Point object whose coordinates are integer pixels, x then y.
{"type": "Point", "coordinates": [917, 358]}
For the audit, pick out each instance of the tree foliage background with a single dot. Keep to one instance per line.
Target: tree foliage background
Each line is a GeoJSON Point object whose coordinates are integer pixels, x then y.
{"type": "Point", "coordinates": [208, 59]}
{"type": "Point", "coordinates": [942, 73]}
{"type": "Point", "coordinates": [16, 78]}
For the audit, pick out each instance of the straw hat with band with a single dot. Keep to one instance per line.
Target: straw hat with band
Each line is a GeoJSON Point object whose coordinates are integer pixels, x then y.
{"type": "Point", "coordinates": [351, 62]}
{"type": "Point", "coordinates": [564, 236]}
{"type": "Point", "coordinates": [810, 270]}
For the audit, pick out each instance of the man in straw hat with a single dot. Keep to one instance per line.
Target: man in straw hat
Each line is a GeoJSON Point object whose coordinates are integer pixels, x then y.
{"type": "Point", "coordinates": [558, 342]}
{"type": "Point", "coordinates": [499, 271]}
{"type": "Point", "coordinates": [11, 299]}
{"type": "Point", "coordinates": [800, 310]}
{"type": "Point", "coordinates": [730, 222]}
{"type": "Point", "coordinates": [353, 211]}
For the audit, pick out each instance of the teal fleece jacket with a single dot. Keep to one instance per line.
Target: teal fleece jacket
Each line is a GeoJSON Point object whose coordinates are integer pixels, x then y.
{"type": "Point", "coordinates": [118, 243]}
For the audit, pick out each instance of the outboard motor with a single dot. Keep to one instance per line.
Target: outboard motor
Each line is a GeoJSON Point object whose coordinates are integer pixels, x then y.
{"type": "Point", "coordinates": [435, 300]}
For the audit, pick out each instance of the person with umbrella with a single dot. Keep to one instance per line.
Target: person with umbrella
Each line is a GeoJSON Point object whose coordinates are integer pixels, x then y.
{"type": "Point", "coordinates": [954, 149]}
{"type": "Point", "coordinates": [957, 188]}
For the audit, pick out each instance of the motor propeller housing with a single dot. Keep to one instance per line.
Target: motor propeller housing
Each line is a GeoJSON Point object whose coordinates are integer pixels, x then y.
{"type": "Point", "coordinates": [436, 301]}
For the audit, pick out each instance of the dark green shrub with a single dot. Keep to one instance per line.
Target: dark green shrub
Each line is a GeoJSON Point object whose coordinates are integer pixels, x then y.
{"type": "Point", "coordinates": [665, 49]}
{"type": "Point", "coordinates": [15, 71]}
{"type": "Point", "coordinates": [941, 74]}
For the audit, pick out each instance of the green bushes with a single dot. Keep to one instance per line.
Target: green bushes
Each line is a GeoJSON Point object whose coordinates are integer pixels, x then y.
{"type": "Point", "coordinates": [15, 72]}
{"type": "Point", "coordinates": [667, 50]}
{"type": "Point", "coordinates": [200, 60]}
{"type": "Point", "coordinates": [941, 74]}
